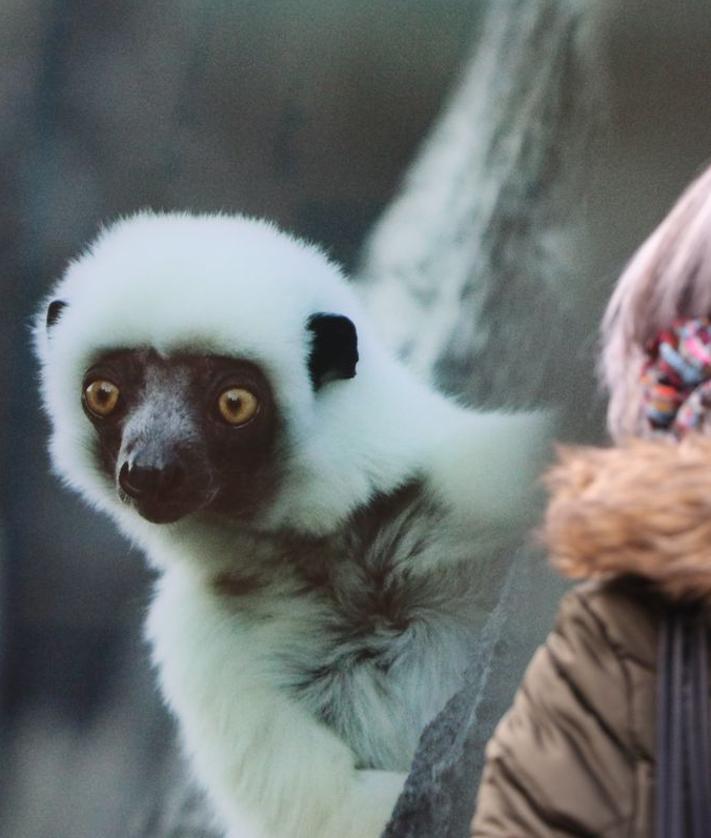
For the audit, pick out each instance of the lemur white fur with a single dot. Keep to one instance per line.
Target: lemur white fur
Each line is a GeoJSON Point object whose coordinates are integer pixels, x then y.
{"type": "Point", "coordinates": [295, 724]}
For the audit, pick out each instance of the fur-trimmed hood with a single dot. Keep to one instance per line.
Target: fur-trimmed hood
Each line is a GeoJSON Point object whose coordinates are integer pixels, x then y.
{"type": "Point", "coordinates": [642, 509]}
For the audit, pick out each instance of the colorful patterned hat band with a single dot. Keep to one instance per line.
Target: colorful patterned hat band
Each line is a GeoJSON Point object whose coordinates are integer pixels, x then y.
{"type": "Point", "coordinates": [676, 394]}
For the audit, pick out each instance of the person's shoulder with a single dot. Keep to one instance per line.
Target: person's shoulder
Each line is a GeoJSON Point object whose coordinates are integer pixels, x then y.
{"type": "Point", "coordinates": [624, 613]}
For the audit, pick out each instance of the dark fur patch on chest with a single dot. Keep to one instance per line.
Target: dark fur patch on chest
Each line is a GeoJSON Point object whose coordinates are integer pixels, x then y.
{"type": "Point", "coordinates": [372, 581]}
{"type": "Point", "coordinates": [236, 585]}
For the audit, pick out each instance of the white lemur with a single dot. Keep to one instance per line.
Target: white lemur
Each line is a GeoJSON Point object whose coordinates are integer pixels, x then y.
{"type": "Point", "coordinates": [325, 527]}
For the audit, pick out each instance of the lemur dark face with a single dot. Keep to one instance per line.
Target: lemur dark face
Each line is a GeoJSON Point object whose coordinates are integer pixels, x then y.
{"type": "Point", "coordinates": [183, 433]}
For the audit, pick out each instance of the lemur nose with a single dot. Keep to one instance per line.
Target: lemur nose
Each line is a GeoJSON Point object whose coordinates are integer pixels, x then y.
{"type": "Point", "coordinates": [143, 481]}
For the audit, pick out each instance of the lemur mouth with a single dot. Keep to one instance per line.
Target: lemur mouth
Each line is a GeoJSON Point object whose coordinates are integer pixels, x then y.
{"type": "Point", "coordinates": [161, 513]}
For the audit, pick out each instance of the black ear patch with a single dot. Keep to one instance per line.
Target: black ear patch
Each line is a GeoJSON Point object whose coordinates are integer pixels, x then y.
{"type": "Point", "coordinates": [54, 312]}
{"type": "Point", "coordinates": [334, 349]}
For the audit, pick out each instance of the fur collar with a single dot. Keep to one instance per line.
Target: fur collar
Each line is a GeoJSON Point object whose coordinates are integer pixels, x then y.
{"type": "Point", "coordinates": [641, 509]}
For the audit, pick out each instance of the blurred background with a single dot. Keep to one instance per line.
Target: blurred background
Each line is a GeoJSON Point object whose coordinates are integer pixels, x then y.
{"type": "Point", "coordinates": [307, 112]}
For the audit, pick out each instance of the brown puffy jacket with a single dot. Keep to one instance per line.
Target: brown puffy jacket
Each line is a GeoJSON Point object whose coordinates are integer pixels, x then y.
{"type": "Point", "coordinates": [575, 754]}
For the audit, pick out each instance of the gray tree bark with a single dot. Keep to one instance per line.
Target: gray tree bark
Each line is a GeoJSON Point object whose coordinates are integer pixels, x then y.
{"type": "Point", "coordinates": [477, 256]}
{"type": "Point", "coordinates": [471, 271]}
{"type": "Point", "coordinates": [471, 274]}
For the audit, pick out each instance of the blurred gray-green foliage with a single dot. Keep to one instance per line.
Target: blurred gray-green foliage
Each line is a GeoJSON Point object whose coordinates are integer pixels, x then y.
{"type": "Point", "coordinates": [307, 112]}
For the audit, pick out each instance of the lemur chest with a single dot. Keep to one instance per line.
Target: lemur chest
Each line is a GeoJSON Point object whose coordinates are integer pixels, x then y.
{"type": "Point", "coordinates": [369, 630]}
{"type": "Point", "coordinates": [355, 648]}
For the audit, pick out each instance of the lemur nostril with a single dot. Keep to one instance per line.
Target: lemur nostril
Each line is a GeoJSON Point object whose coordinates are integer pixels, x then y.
{"type": "Point", "coordinates": [140, 481]}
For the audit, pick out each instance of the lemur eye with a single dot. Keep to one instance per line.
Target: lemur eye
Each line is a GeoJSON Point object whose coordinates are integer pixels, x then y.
{"type": "Point", "coordinates": [237, 405]}
{"type": "Point", "coordinates": [101, 397]}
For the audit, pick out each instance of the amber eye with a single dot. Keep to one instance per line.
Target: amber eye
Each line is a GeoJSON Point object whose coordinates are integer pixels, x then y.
{"type": "Point", "coordinates": [237, 405]}
{"type": "Point", "coordinates": [101, 397]}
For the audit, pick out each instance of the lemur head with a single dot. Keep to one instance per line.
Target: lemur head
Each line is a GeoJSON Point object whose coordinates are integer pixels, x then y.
{"type": "Point", "coordinates": [206, 364]}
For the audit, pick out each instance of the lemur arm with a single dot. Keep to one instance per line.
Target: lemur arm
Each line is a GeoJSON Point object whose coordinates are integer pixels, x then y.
{"type": "Point", "coordinates": [284, 773]}
{"type": "Point", "coordinates": [488, 468]}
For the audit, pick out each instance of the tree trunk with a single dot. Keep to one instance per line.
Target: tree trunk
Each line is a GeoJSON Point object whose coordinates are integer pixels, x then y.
{"type": "Point", "coordinates": [477, 254]}
{"type": "Point", "coordinates": [477, 258]}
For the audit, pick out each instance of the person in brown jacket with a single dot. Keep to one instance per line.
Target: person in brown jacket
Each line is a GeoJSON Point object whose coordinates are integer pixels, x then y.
{"type": "Point", "coordinates": [582, 751]}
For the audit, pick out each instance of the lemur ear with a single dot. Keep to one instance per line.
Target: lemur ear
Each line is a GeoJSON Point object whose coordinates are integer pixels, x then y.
{"type": "Point", "coordinates": [54, 312]}
{"type": "Point", "coordinates": [334, 348]}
